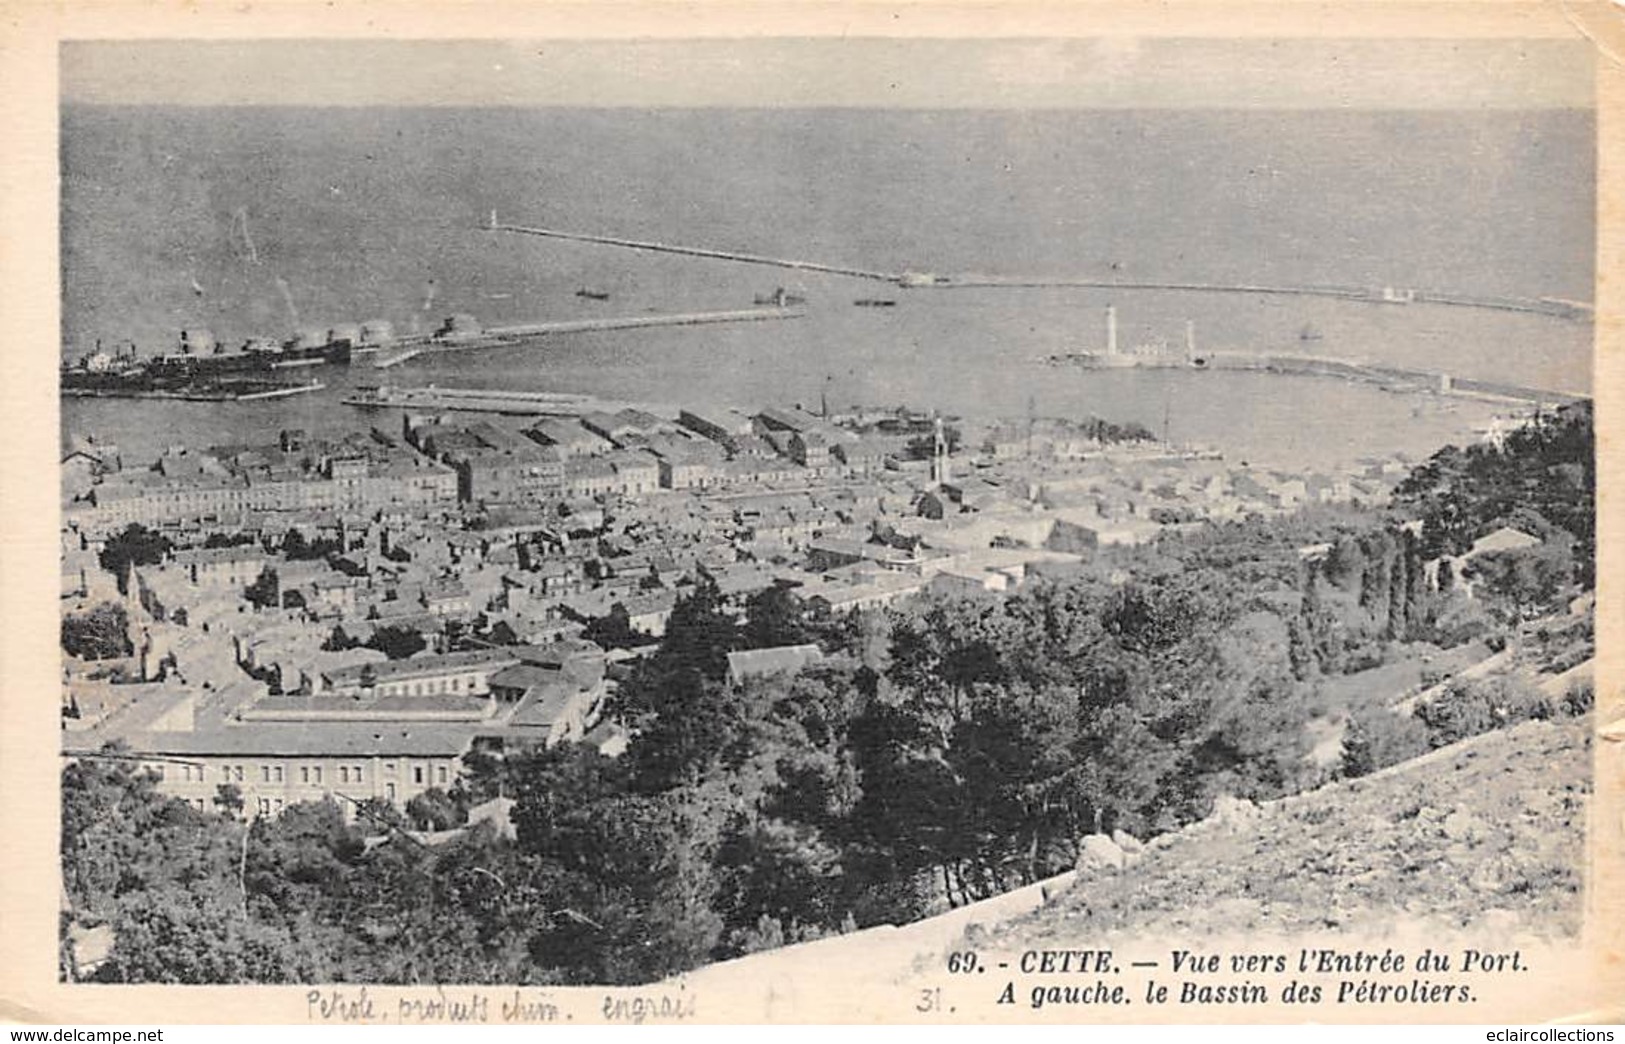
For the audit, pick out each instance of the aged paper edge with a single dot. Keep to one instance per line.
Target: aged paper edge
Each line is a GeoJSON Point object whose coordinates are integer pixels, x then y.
{"type": "Point", "coordinates": [29, 34]}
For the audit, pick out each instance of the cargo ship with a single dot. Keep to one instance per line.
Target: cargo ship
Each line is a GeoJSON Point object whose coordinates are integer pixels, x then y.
{"type": "Point", "coordinates": [201, 369]}
{"type": "Point", "coordinates": [780, 298]}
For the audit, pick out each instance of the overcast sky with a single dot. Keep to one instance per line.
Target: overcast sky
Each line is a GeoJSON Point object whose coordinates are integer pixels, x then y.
{"type": "Point", "coordinates": [1106, 72]}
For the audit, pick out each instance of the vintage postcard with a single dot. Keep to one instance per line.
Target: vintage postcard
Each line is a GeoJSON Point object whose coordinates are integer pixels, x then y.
{"type": "Point", "coordinates": [842, 513]}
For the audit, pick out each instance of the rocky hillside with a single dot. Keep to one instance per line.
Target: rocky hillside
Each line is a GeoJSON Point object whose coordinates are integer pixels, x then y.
{"type": "Point", "coordinates": [1489, 832]}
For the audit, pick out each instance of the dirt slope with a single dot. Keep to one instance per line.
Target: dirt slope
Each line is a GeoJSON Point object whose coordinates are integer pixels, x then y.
{"type": "Point", "coordinates": [1488, 832]}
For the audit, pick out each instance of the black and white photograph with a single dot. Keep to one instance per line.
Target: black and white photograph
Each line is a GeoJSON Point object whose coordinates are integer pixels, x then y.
{"type": "Point", "coordinates": [545, 512]}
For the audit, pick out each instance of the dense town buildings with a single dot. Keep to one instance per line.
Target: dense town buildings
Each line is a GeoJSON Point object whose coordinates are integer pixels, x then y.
{"type": "Point", "coordinates": [255, 640]}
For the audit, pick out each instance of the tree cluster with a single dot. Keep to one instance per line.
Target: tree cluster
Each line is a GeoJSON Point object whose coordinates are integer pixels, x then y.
{"type": "Point", "coordinates": [397, 641]}
{"type": "Point", "coordinates": [1541, 478]}
{"type": "Point", "coordinates": [100, 634]}
{"type": "Point", "coordinates": [295, 548]}
{"type": "Point", "coordinates": [266, 590]}
{"type": "Point", "coordinates": [964, 754]}
{"type": "Point", "coordinates": [1381, 737]}
{"type": "Point", "coordinates": [135, 544]}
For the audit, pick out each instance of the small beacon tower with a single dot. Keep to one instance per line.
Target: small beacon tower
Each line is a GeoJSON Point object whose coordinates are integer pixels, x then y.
{"type": "Point", "coordinates": [939, 456]}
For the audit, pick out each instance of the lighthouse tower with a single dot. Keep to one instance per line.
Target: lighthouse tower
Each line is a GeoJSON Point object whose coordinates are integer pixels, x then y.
{"type": "Point", "coordinates": [939, 456]}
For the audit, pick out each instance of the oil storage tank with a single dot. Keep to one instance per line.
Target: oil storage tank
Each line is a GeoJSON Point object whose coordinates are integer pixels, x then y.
{"type": "Point", "coordinates": [459, 327]}
{"type": "Point", "coordinates": [377, 332]}
{"type": "Point", "coordinates": [310, 337]}
{"type": "Point", "coordinates": [197, 341]}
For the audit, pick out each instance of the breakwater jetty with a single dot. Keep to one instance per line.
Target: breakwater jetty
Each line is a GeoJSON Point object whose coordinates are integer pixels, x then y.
{"type": "Point", "coordinates": [1387, 376]}
{"type": "Point", "coordinates": [499, 336]}
{"type": "Point", "coordinates": [204, 392]}
{"type": "Point", "coordinates": [1558, 308]}
{"type": "Point", "coordinates": [483, 400]}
